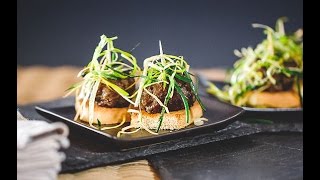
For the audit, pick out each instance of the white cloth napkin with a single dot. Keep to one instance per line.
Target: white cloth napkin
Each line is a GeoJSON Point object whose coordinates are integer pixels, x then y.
{"type": "Point", "coordinates": [38, 145]}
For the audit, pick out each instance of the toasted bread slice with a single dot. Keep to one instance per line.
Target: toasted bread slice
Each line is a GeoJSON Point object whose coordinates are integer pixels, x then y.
{"type": "Point", "coordinates": [171, 121]}
{"type": "Point", "coordinates": [105, 115]}
{"type": "Point", "coordinates": [282, 99]}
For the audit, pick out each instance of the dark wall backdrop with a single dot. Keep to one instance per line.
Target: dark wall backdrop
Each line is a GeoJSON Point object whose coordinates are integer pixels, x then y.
{"type": "Point", "coordinates": [205, 32]}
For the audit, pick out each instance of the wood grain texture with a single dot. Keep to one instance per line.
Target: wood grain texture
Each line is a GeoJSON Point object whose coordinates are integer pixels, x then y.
{"type": "Point", "coordinates": [39, 84]}
{"type": "Point", "coordinates": [213, 74]}
{"type": "Point", "coordinates": [133, 170]}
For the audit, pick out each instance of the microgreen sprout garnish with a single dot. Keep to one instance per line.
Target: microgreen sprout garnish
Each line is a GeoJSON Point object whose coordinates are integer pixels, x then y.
{"type": "Point", "coordinates": [99, 124]}
{"type": "Point", "coordinates": [278, 54]}
{"type": "Point", "coordinates": [108, 63]}
{"type": "Point", "coordinates": [164, 69]}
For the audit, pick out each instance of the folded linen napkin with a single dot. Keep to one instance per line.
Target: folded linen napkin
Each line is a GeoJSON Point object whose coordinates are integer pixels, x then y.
{"type": "Point", "coordinates": [38, 145]}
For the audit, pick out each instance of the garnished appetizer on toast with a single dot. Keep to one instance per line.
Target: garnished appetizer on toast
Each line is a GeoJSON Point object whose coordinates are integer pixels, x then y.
{"type": "Point", "coordinates": [268, 76]}
{"type": "Point", "coordinates": [167, 97]}
{"type": "Point", "coordinates": [108, 84]}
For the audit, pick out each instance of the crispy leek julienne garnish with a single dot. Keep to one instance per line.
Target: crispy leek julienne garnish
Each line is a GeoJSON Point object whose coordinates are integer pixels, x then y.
{"type": "Point", "coordinates": [165, 69]}
{"type": "Point", "coordinates": [278, 54]}
{"type": "Point", "coordinates": [108, 63]}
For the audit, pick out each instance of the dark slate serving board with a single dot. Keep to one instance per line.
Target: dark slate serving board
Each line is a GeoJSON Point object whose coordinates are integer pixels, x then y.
{"type": "Point", "coordinates": [257, 156]}
{"type": "Point", "coordinates": [87, 151]}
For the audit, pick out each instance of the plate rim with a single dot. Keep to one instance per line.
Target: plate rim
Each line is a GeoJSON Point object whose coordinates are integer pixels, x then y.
{"type": "Point", "coordinates": [252, 109]}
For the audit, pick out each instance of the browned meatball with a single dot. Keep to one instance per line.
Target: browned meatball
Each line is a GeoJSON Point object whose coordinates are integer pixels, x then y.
{"type": "Point", "coordinates": [107, 97]}
{"type": "Point", "coordinates": [150, 105]}
{"type": "Point", "coordinates": [283, 83]}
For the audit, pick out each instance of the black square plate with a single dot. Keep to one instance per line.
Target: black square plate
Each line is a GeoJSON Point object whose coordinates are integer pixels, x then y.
{"type": "Point", "coordinates": [219, 115]}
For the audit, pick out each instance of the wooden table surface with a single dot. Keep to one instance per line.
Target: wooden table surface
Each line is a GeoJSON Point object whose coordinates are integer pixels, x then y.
{"type": "Point", "coordinates": [39, 84]}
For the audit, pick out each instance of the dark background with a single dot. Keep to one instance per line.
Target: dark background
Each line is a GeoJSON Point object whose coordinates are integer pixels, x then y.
{"type": "Point", "coordinates": [205, 32]}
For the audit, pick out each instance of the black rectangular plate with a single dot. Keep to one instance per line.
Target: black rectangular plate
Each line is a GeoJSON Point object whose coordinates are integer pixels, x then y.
{"type": "Point", "coordinates": [219, 115]}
